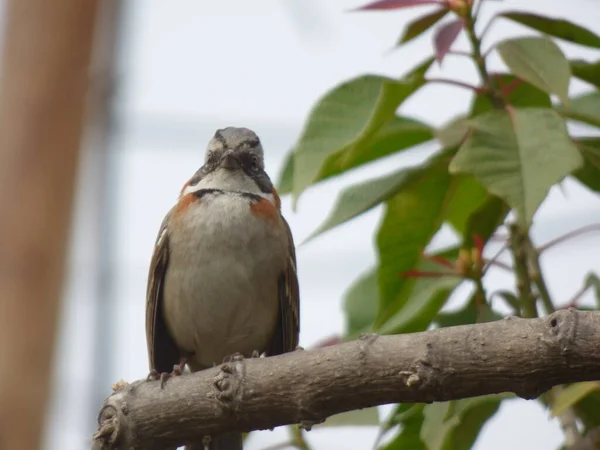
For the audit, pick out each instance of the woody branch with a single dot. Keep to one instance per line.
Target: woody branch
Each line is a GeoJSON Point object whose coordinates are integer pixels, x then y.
{"type": "Point", "coordinates": [524, 356]}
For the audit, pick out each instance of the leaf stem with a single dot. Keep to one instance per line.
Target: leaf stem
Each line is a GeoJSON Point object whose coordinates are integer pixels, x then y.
{"type": "Point", "coordinates": [298, 440]}
{"type": "Point", "coordinates": [487, 28]}
{"type": "Point", "coordinates": [575, 299]}
{"type": "Point", "coordinates": [498, 264]}
{"type": "Point", "coordinates": [570, 235]}
{"type": "Point", "coordinates": [459, 53]}
{"type": "Point", "coordinates": [567, 420]}
{"type": "Point", "coordinates": [488, 82]}
{"type": "Point", "coordinates": [471, 87]}
{"type": "Point", "coordinates": [494, 260]}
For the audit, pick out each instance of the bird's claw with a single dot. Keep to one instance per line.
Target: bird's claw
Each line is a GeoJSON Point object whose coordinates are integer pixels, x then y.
{"type": "Point", "coordinates": [164, 376]}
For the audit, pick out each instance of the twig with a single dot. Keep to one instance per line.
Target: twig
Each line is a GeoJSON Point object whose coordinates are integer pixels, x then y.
{"type": "Point", "coordinates": [499, 264]}
{"type": "Point", "coordinates": [298, 438]}
{"type": "Point", "coordinates": [488, 82]}
{"type": "Point", "coordinates": [570, 235]}
{"type": "Point", "coordinates": [471, 87]}
{"type": "Point", "coordinates": [494, 259]}
{"type": "Point", "coordinates": [567, 420]}
{"type": "Point", "coordinates": [573, 302]}
{"type": "Point", "coordinates": [459, 53]}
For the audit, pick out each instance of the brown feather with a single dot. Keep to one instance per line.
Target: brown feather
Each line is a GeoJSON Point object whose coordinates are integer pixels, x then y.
{"type": "Point", "coordinates": [287, 334]}
{"type": "Point", "coordinates": [163, 354]}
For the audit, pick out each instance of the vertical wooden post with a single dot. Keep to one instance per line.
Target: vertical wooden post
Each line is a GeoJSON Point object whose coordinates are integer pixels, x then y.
{"type": "Point", "coordinates": [43, 85]}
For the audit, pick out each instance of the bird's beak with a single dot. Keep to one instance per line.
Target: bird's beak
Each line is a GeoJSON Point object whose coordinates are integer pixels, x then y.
{"type": "Point", "coordinates": [229, 160]}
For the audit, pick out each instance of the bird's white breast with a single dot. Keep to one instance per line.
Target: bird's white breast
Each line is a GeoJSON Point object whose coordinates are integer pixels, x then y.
{"type": "Point", "coordinates": [221, 284]}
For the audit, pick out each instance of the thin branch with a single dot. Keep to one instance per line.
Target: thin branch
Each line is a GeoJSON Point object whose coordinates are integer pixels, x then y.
{"type": "Point", "coordinates": [521, 264]}
{"type": "Point", "coordinates": [567, 420]}
{"type": "Point", "coordinates": [494, 259]}
{"type": "Point", "coordinates": [575, 299]}
{"type": "Point", "coordinates": [460, 53]}
{"type": "Point", "coordinates": [488, 82]}
{"type": "Point", "coordinates": [487, 28]}
{"type": "Point", "coordinates": [570, 235]}
{"type": "Point", "coordinates": [524, 356]}
{"type": "Point", "coordinates": [477, 8]}
{"type": "Point", "coordinates": [500, 265]}
{"type": "Point", "coordinates": [471, 87]}
{"type": "Point", "coordinates": [298, 438]}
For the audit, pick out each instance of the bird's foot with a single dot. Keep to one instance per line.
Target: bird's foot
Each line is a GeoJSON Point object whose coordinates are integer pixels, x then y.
{"type": "Point", "coordinates": [164, 376]}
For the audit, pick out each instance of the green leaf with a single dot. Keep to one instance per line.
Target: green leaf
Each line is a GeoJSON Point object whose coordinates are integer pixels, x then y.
{"type": "Point", "coordinates": [286, 176]}
{"type": "Point", "coordinates": [349, 115]}
{"type": "Point", "coordinates": [586, 71]}
{"type": "Point", "coordinates": [589, 174]}
{"type": "Point", "coordinates": [427, 298]}
{"type": "Point", "coordinates": [359, 417]}
{"type": "Point", "coordinates": [584, 108]}
{"type": "Point", "coordinates": [421, 298]}
{"type": "Point", "coordinates": [420, 25]}
{"type": "Point", "coordinates": [408, 226]}
{"type": "Point", "coordinates": [439, 422]}
{"type": "Point", "coordinates": [409, 435]}
{"type": "Point", "coordinates": [521, 95]}
{"type": "Point", "coordinates": [485, 220]}
{"type": "Point", "coordinates": [464, 316]}
{"type": "Point", "coordinates": [469, 314]}
{"type": "Point", "coordinates": [361, 197]}
{"type": "Point", "coordinates": [587, 409]}
{"type": "Point", "coordinates": [456, 425]}
{"type": "Point", "coordinates": [560, 28]}
{"type": "Point", "coordinates": [361, 304]}
{"type": "Point", "coordinates": [518, 156]}
{"type": "Point", "coordinates": [400, 133]}
{"type": "Point", "coordinates": [539, 61]}
{"type": "Point", "coordinates": [453, 133]}
{"type": "Point", "coordinates": [402, 412]}
{"type": "Point", "coordinates": [511, 300]}
{"type": "Point", "coordinates": [593, 281]}
{"type": "Point", "coordinates": [468, 196]}
{"type": "Point", "coordinates": [571, 395]}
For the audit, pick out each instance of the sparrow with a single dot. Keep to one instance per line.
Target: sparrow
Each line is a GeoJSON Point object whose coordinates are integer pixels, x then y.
{"type": "Point", "coordinates": [222, 278]}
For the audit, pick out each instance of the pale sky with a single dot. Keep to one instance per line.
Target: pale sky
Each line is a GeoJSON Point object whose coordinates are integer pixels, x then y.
{"type": "Point", "coordinates": [190, 67]}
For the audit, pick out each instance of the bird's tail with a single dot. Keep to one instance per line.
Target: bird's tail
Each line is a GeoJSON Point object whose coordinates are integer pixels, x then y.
{"type": "Point", "coordinates": [231, 441]}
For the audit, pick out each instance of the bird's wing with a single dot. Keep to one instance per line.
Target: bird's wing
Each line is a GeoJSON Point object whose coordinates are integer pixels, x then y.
{"type": "Point", "coordinates": [286, 337]}
{"type": "Point", "coordinates": [162, 351]}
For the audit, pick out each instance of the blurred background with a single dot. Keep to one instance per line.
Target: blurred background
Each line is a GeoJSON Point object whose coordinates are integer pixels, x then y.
{"type": "Point", "coordinates": [165, 75]}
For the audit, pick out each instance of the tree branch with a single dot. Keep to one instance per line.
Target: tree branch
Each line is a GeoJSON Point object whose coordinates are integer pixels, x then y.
{"type": "Point", "coordinates": [524, 356]}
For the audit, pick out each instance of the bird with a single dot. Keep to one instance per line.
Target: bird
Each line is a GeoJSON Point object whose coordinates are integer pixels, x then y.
{"type": "Point", "coordinates": [222, 277]}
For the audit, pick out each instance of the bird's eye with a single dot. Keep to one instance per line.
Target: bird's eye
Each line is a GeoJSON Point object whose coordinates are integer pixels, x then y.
{"type": "Point", "coordinates": [254, 162]}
